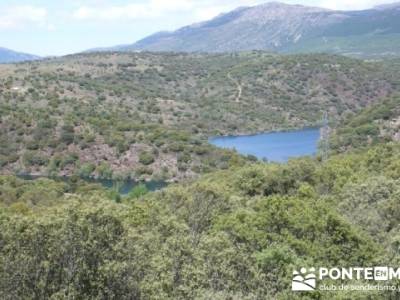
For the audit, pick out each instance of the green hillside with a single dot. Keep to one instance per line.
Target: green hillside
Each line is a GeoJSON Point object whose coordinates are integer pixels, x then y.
{"type": "Point", "coordinates": [148, 115]}
{"type": "Point", "coordinates": [367, 46]}
{"type": "Point", "coordinates": [234, 234]}
{"type": "Point", "coordinates": [111, 183]}
{"type": "Point", "coordinates": [376, 124]}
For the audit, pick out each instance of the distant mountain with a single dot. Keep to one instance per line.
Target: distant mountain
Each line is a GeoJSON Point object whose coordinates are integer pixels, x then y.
{"type": "Point", "coordinates": [105, 49]}
{"type": "Point", "coordinates": [286, 29]}
{"type": "Point", "coordinates": [395, 5]}
{"type": "Point", "coordinates": [10, 56]}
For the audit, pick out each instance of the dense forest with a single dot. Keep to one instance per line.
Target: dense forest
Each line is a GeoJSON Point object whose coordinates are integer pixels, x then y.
{"type": "Point", "coordinates": [148, 115]}
{"type": "Point", "coordinates": [233, 234]}
{"type": "Point", "coordinates": [232, 227]}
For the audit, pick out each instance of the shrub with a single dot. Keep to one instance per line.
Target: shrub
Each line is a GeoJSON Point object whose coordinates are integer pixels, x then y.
{"type": "Point", "coordinates": [32, 158]}
{"type": "Point", "coordinates": [138, 191]}
{"type": "Point", "coordinates": [104, 171]}
{"type": "Point", "coordinates": [67, 134]}
{"type": "Point", "coordinates": [146, 158]}
{"type": "Point", "coordinates": [86, 170]}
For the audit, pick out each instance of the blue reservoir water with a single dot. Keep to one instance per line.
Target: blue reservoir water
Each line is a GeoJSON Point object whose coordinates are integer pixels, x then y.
{"type": "Point", "coordinates": [123, 187]}
{"type": "Point", "coordinates": [274, 146]}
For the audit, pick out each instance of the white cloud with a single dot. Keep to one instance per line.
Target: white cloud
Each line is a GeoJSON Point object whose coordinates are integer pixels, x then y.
{"type": "Point", "coordinates": [150, 9]}
{"type": "Point", "coordinates": [197, 10]}
{"type": "Point", "coordinates": [51, 27]}
{"type": "Point", "coordinates": [22, 16]}
{"type": "Point", "coordinates": [208, 13]}
{"type": "Point", "coordinates": [351, 5]}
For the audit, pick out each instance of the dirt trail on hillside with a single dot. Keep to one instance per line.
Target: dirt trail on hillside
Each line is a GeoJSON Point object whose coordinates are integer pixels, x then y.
{"type": "Point", "coordinates": [239, 87]}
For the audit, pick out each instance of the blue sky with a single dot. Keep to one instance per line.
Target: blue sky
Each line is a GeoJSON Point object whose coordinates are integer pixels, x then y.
{"type": "Point", "coordinates": [49, 27]}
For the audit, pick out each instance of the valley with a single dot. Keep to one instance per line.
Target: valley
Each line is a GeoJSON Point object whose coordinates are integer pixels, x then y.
{"type": "Point", "coordinates": [149, 115]}
{"type": "Point", "coordinates": [230, 159]}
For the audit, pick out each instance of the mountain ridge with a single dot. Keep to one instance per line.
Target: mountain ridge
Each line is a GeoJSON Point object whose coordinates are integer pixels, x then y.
{"type": "Point", "coordinates": [11, 56]}
{"type": "Point", "coordinates": [388, 6]}
{"type": "Point", "coordinates": [285, 28]}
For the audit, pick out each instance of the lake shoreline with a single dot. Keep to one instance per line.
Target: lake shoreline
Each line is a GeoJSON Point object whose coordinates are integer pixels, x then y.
{"type": "Point", "coordinates": [125, 185]}
{"type": "Point", "coordinates": [273, 146]}
{"type": "Point", "coordinates": [265, 132]}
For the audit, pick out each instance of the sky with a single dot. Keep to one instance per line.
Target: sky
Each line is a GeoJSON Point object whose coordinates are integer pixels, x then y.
{"type": "Point", "coordinates": [48, 27]}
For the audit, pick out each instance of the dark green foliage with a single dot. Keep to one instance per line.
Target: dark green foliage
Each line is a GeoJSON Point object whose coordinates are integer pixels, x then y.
{"type": "Point", "coordinates": [146, 158]}
{"type": "Point", "coordinates": [104, 171]}
{"type": "Point", "coordinates": [234, 234]}
{"type": "Point", "coordinates": [34, 158]}
{"type": "Point", "coordinates": [67, 134]}
{"type": "Point", "coordinates": [138, 191]}
{"type": "Point", "coordinates": [109, 107]}
{"type": "Point", "coordinates": [86, 170]}
{"type": "Point", "coordinates": [375, 124]}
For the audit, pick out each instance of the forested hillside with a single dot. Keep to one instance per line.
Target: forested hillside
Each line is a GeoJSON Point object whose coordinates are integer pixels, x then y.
{"type": "Point", "coordinates": [234, 234]}
{"type": "Point", "coordinates": [265, 168]}
{"type": "Point", "coordinates": [148, 115]}
{"type": "Point", "coordinates": [376, 124]}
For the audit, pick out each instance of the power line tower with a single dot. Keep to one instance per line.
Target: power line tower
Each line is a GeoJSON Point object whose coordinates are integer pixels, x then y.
{"type": "Point", "coordinates": [325, 137]}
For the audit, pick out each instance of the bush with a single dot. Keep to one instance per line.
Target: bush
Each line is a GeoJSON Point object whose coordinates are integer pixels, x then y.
{"type": "Point", "coordinates": [69, 159]}
{"type": "Point", "coordinates": [184, 157]}
{"type": "Point", "coordinates": [138, 191]}
{"type": "Point", "coordinates": [143, 171]}
{"type": "Point", "coordinates": [146, 158]}
{"type": "Point", "coordinates": [32, 158]}
{"type": "Point", "coordinates": [67, 134]}
{"type": "Point", "coordinates": [104, 171]}
{"type": "Point", "coordinates": [86, 170]}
